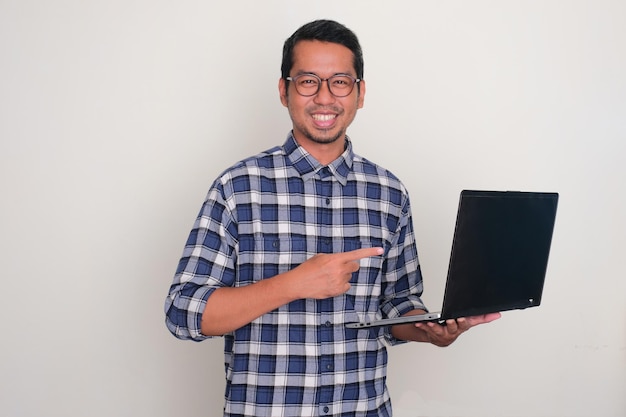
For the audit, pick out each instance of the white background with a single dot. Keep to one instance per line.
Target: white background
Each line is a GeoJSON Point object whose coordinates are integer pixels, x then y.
{"type": "Point", "coordinates": [115, 116]}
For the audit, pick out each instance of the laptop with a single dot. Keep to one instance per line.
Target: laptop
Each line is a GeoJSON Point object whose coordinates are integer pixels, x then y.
{"type": "Point", "coordinates": [499, 255]}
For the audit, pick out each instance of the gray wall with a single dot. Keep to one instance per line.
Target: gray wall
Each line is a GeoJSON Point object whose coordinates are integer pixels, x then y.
{"type": "Point", "coordinates": [115, 116]}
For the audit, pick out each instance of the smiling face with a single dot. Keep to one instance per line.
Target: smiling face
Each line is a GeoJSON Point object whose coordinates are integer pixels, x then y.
{"type": "Point", "coordinates": [320, 121]}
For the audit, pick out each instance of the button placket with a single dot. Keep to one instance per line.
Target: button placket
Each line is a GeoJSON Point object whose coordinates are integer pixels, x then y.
{"type": "Point", "coordinates": [326, 330]}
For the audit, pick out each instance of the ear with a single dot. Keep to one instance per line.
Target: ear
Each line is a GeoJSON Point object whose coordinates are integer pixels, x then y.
{"type": "Point", "coordinates": [282, 91]}
{"type": "Point", "coordinates": [361, 98]}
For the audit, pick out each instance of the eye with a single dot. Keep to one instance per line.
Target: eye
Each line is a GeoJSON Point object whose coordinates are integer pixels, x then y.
{"type": "Point", "coordinates": [341, 82]}
{"type": "Point", "coordinates": [308, 81]}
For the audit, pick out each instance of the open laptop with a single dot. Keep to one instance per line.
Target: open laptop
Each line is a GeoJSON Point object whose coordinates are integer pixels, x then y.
{"type": "Point", "coordinates": [499, 255]}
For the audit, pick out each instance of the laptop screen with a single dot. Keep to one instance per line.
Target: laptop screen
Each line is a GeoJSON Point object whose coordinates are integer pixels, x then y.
{"type": "Point", "coordinates": [499, 252]}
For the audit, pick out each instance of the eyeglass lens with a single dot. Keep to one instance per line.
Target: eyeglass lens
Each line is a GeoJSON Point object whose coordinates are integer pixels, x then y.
{"type": "Point", "coordinates": [309, 84]}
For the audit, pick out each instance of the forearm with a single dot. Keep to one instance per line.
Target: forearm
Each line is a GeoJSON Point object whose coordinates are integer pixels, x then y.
{"type": "Point", "coordinates": [322, 276]}
{"type": "Point", "coordinates": [230, 308]}
{"type": "Point", "coordinates": [409, 332]}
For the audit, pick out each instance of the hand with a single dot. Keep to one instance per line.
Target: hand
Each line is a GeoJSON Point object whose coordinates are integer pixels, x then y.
{"type": "Point", "coordinates": [444, 335]}
{"type": "Point", "coordinates": [328, 275]}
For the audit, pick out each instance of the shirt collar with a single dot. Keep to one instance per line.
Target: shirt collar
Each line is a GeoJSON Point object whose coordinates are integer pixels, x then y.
{"type": "Point", "coordinates": [307, 166]}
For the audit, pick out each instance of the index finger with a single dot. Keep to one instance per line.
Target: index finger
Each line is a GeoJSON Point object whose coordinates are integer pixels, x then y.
{"type": "Point", "coordinates": [357, 254]}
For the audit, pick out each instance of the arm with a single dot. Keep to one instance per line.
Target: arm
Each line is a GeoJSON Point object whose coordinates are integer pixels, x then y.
{"type": "Point", "coordinates": [322, 276]}
{"type": "Point", "coordinates": [197, 307]}
{"type": "Point", "coordinates": [439, 335]}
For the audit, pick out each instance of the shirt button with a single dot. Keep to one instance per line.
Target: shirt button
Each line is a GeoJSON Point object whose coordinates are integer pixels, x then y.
{"type": "Point", "coordinates": [328, 324]}
{"type": "Point", "coordinates": [326, 409]}
{"type": "Point", "coordinates": [329, 367]}
{"type": "Point", "coordinates": [327, 201]}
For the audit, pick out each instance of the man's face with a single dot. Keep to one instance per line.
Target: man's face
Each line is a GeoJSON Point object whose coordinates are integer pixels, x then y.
{"type": "Point", "coordinates": [321, 118]}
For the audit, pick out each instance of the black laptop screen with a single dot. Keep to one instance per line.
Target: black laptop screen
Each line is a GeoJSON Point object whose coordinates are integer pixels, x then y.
{"type": "Point", "coordinates": [500, 252]}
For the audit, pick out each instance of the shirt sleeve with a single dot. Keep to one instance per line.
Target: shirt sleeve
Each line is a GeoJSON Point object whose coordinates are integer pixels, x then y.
{"type": "Point", "coordinates": [402, 284]}
{"type": "Point", "coordinates": [207, 263]}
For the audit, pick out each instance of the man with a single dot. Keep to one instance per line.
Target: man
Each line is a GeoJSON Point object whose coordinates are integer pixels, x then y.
{"type": "Point", "coordinates": [293, 243]}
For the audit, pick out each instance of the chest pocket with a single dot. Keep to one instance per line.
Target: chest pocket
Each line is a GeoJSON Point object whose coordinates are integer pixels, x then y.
{"type": "Point", "coordinates": [264, 256]}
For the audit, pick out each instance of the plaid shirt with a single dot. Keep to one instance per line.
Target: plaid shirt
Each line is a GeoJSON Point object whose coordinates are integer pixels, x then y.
{"type": "Point", "coordinates": [268, 214]}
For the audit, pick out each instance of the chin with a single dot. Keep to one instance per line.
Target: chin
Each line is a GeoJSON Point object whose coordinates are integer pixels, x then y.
{"type": "Point", "coordinates": [325, 140]}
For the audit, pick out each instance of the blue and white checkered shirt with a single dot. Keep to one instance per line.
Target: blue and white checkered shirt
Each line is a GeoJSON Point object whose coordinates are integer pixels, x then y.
{"type": "Point", "coordinates": [268, 214]}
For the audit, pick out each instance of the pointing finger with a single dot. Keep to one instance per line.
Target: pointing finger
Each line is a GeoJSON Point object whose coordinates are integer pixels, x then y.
{"type": "Point", "coordinates": [357, 254]}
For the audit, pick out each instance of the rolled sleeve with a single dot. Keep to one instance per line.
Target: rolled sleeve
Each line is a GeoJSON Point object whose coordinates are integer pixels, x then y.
{"type": "Point", "coordinates": [403, 284]}
{"type": "Point", "coordinates": [183, 311]}
{"type": "Point", "coordinates": [207, 264]}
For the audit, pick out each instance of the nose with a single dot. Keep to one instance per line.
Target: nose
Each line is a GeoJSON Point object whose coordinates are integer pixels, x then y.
{"type": "Point", "coordinates": [324, 96]}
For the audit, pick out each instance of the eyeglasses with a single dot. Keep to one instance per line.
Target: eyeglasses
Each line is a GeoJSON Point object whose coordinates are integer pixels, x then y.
{"type": "Point", "coordinates": [340, 85]}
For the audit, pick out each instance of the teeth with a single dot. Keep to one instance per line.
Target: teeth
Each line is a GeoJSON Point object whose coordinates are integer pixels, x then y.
{"type": "Point", "coordinates": [323, 117]}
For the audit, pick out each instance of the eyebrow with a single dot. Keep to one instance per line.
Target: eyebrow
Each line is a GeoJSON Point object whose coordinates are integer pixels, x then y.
{"type": "Point", "coordinates": [313, 73]}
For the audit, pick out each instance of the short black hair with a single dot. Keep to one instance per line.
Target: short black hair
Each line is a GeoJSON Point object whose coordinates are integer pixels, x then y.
{"type": "Point", "coordinates": [324, 31]}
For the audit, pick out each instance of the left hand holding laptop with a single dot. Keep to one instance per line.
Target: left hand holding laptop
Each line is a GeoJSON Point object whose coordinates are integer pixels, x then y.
{"type": "Point", "coordinates": [440, 334]}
